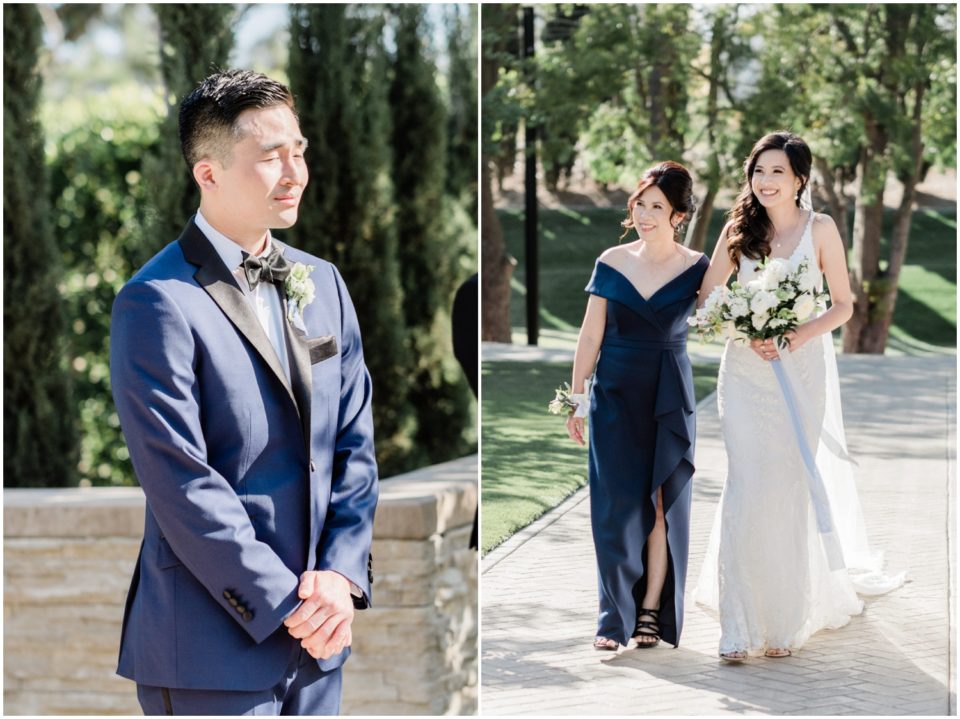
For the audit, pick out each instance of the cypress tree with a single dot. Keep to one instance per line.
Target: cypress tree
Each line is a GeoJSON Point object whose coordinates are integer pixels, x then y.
{"type": "Point", "coordinates": [428, 259]}
{"type": "Point", "coordinates": [195, 42]}
{"type": "Point", "coordinates": [461, 181]}
{"type": "Point", "coordinates": [38, 434]}
{"type": "Point", "coordinates": [347, 215]}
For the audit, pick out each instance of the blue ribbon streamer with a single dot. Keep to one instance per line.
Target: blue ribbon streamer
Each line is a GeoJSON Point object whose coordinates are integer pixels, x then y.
{"type": "Point", "coordinates": [818, 491]}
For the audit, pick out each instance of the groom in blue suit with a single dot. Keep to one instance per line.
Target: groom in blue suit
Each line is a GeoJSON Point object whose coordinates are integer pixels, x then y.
{"type": "Point", "coordinates": [238, 375]}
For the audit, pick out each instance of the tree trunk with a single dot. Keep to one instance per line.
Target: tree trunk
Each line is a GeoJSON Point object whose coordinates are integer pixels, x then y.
{"type": "Point", "coordinates": [697, 236]}
{"type": "Point", "coordinates": [496, 264]}
{"type": "Point", "coordinates": [868, 285]}
{"type": "Point", "coordinates": [878, 331]}
{"type": "Point", "coordinates": [835, 200]}
{"type": "Point", "coordinates": [497, 267]}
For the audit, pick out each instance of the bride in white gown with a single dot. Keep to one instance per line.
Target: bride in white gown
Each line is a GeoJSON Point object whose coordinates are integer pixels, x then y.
{"type": "Point", "coordinates": [769, 571]}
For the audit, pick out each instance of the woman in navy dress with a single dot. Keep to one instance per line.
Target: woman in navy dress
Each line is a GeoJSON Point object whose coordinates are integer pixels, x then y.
{"type": "Point", "coordinates": [641, 410]}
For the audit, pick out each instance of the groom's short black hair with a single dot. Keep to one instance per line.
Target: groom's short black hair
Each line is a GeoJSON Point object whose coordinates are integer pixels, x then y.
{"type": "Point", "coordinates": [209, 113]}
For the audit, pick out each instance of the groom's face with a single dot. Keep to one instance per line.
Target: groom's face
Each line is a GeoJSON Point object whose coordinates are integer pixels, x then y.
{"type": "Point", "coordinates": [261, 183]}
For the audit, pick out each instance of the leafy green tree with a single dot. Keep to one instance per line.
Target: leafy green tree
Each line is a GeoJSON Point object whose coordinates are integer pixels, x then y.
{"type": "Point", "coordinates": [428, 260]}
{"type": "Point", "coordinates": [461, 171]}
{"type": "Point", "coordinates": [348, 214]}
{"type": "Point", "coordinates": [499, 43]}
{"type": "Point", "coordinates": [100, 203]}
{"type": "Point", "coordinates": [39, 437]}
{"type": "Point", "coordinates": [625, 77]}
{"type": "Point", "coordinates": [195, 41]}
{"type": "Point", "coordinates": [892, 68]}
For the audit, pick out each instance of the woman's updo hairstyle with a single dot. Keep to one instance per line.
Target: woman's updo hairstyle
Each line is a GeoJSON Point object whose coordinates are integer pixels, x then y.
{"type": "Point", "coordinates": [750, 226]}
{"type": "Point", "coordinates": [675, 182]}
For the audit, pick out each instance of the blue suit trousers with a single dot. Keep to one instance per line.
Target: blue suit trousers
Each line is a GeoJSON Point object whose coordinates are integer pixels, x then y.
{"type": "Point", "coordinates": [304, 690]}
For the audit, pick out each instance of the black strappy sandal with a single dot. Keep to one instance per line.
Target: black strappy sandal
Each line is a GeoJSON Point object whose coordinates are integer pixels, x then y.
{"type": "Point", "coordinates": [647, 628]}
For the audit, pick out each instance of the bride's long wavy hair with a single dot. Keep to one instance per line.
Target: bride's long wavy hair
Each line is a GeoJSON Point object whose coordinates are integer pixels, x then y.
{"type": "Point", "coordinates": [675, 182]}
{"type": "Point", "coordinates": [750, 228]}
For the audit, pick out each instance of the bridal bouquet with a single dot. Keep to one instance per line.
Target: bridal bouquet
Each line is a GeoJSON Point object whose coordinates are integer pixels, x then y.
{"type": "Point", "coordinates": [773, 303]}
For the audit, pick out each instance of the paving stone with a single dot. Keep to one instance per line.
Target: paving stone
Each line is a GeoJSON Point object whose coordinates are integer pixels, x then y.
{"type": "Point", "coordinates": [900, 425]}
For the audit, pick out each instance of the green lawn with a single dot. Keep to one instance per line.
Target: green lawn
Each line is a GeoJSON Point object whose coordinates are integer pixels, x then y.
{"type": "Point", "coordinates": [572, 239]}
{"type": "Point", "coordinates": [529, 463]}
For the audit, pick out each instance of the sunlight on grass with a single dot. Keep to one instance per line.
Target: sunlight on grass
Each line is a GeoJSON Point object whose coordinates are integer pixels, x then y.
{"type": "Point", "coordinates": [529, 463]}
{"type": "Point", "coordinates": [572, 239]}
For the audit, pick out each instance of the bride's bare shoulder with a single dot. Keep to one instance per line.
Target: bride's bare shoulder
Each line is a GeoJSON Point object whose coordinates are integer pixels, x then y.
{"type": "Point", "coordinates": [824, 229]}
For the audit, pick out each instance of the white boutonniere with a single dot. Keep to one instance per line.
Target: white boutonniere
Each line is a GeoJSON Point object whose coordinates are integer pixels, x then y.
{"type": "Point", "coordinates": [300, 291]}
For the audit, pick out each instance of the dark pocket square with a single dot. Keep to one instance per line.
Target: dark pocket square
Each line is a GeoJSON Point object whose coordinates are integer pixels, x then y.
{"type": "Point", "coordinates": [321, 348]}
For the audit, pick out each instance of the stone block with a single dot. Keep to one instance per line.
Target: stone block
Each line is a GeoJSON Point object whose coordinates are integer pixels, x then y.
{"type": "Point", "coordinates": [74, 512]}
{"type": "Point", "coordinates": [69, 556]}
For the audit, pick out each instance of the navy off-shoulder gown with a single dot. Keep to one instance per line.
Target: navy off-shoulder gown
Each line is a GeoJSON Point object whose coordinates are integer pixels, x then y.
{"type": "Point", "coordinates": [642, 429]}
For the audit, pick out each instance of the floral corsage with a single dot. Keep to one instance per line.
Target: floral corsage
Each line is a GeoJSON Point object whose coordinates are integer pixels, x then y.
{"type": "Point", "coordinates": [570, 403]}
{"type": "Point", "coordinates": [300, 291]}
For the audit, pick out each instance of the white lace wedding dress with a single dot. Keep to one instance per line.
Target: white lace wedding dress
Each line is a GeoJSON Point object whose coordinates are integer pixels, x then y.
{"type": "Point", "coordinates": [766, 571]}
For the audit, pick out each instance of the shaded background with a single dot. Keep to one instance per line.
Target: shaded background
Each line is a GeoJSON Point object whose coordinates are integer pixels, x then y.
{"type": "Point", "coordinates": [94, 184]}
{"type": "Point", "coordinates": [611, 89]}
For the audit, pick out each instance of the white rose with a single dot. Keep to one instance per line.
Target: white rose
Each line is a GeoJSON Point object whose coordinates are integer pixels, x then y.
{"type": "Point", "coordinates": [763, 301]}
{"type": "Point", "coordinates": [804, 306]}
{"type": "Point", "coordinates": [759, 320]}
{"type": "Point", "coordinates": [715, 298]}
{"type": "Point", "coordinates": [774, 273]}
{"type": "Point", "coordinates": [739, 307]}
{"type": "Point", "coordinates": [753, 286]}
{"type": "Point", "coordinates": [779, 269]}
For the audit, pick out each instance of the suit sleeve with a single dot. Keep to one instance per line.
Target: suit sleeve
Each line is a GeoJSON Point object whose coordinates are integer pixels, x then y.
{"type": "Point", "coordinates": [348, 527]}
{"type": "Point", "coordinates": [152, 359]}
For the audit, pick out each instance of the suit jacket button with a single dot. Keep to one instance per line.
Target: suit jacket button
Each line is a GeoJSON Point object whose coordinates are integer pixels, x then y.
{"type": "Point", "coordinates": [247, 616]}
{"type": "Point", "coordinates": [233, 601]}
{"type": "Point", "coordinates": [227, 594]}
{"type": "Point", "coordinates": [240, 608]}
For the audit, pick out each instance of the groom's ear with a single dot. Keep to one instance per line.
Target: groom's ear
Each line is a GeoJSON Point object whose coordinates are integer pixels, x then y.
{"type": "Point", "coordinates": [205, 174]}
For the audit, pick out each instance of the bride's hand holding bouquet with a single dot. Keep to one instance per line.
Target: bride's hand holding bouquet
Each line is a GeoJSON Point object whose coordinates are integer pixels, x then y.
{"type": "Point", "coordinates": [767, 312]}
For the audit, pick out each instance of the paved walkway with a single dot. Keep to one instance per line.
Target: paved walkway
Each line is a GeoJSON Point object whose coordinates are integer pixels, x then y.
{"type": "Point", "coordinates": [539, 596]}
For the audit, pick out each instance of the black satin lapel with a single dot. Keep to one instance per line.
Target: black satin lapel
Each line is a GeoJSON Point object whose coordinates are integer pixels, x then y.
{"type": "Point", "coordinates": [300, 371]}
{"type": "Point", "coordinates": [222, 287]}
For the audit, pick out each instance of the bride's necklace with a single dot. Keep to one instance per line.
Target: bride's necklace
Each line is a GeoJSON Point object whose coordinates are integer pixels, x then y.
{"type": "Point", "coordinates": [779, 243]}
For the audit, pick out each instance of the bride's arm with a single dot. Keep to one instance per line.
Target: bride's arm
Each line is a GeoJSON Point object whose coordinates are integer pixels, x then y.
{"type": "Point", "coordinates": [585, 357]}
{"type": "Point", "coordinates": [833, 262]}
{"type": "Point", "coordinates": [720, 268]}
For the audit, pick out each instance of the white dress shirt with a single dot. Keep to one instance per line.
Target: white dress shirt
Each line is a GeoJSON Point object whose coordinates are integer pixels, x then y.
{"type": "Point", "coordinates": [264, 299]}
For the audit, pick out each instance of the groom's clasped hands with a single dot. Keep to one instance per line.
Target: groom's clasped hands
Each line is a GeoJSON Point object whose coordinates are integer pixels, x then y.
{"type": "Point", "coordinates": [323, 621]}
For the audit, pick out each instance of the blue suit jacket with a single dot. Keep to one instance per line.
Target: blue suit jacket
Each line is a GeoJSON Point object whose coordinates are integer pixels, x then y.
{"type": "Point", "coordinates": [249, 479]}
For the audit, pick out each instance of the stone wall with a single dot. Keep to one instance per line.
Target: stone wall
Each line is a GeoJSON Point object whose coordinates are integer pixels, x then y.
{"type": "Point", "coordinates": [69, 554]}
